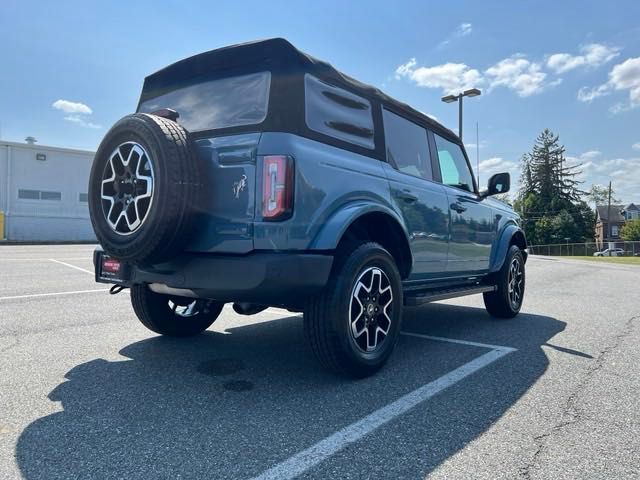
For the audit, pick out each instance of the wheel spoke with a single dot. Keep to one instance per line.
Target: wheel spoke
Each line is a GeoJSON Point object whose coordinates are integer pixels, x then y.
{"type": "Point", "coordinates": [370, 309]}
{"type": "Point", "coordinates": [125, 205]}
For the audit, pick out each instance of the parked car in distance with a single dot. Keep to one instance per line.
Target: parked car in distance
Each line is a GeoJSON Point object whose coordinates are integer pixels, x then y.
{"type": "Point", "coordinates": [610, 252]}
{"type": "Point", "coordinates": [260, 176]}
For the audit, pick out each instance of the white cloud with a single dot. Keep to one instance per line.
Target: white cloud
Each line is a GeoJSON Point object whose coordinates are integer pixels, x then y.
{"type": "Point", "coordinates": [451, 78]}
{"type": "Point", "coordinates": [593, 55]}
{"type": "Point", "coordinates": [71, 107]}
{"type": "Point", "coordinates": [461, 30]}
{"type": "Point", "coordinates": [472, 146]}
{"type": "Point", "coordinates": [494, 165]}
{"type": "Point", "coordinates": [588, 95]}
{"type": "Point", "coordinates": [464, 29]}
{"type": "Point", "coordinates": [623, 172]}
{"type": "Point", "coordinates": [591, 154]}
{"type": "Point", "coordinates": [636, 146]}
{"type": "Point", "coordinates": [81, 121]}
{"type": "Point", "coordinates": [518, 74]}
{"type": "Point", "coordinates": [626, 76]}
{"type": "Point", "coordinates": [623, 76]}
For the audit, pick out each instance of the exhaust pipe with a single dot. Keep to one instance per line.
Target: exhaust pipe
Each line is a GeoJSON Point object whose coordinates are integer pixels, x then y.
{"type": "Point", "coordinates": [244, 308]}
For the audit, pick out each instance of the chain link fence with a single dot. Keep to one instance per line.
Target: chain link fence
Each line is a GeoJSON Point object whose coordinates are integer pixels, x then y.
{"type": "Point", "coordinates": [584, 249]}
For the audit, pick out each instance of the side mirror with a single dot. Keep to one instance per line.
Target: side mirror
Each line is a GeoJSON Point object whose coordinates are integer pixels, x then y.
{"type": "Point", "coordinates": [498, 183]}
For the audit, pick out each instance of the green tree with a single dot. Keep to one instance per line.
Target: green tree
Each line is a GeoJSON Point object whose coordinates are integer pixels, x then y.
{"type": "Point", "coordinates": [631, 231]}
{"type": "Point", "coordinates": [599, 195]}
{"type": "Point", "coordinates": [549, 199]}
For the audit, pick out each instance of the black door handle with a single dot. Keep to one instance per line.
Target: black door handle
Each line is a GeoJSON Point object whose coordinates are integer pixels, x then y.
{"type": "Point", "coordinates": [458, 207]}
{"type": "Point", "coordinates": [406, 196]}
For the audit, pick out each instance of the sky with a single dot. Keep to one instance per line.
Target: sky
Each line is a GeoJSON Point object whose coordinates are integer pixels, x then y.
{"type": "Point", "coordinates": [71, 69]}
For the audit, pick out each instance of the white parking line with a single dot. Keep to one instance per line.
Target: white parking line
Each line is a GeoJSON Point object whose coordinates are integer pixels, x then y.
{"type": "Point", "coordinates": [34, 295]}
{"type": "Point", "coordinates": [312, 456]}
{"type": "Point", "coordinates": [42, 259]}
{"type": "Point", "coordinates": [71, 266]}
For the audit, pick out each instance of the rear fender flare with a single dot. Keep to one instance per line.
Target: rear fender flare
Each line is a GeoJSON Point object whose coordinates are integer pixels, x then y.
{"type": "Point", "coordinates": [335, 227]}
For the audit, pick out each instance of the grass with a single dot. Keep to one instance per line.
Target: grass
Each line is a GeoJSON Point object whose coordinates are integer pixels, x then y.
{"type": "Point", "coordinates": [623, 260]}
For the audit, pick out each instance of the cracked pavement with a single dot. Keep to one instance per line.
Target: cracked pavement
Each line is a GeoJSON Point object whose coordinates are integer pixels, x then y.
{"type": "Point", "coordinates": [87, 392]}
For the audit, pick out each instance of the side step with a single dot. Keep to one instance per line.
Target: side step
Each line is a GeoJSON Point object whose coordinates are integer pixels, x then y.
{"type": "Point", "coordinates": [418, 298]}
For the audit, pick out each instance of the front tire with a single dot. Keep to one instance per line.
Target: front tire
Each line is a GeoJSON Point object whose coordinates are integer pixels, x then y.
{"type": "Point", "coordinates": [506, 301]}
{"type": "Point", "coordinates": [173, 316]}
{"type": "Point", "coordinates": [354, 323]}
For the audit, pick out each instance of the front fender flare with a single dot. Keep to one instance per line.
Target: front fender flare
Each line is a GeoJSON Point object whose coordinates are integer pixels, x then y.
{"type": "Point", "coordinates": [502, 245]}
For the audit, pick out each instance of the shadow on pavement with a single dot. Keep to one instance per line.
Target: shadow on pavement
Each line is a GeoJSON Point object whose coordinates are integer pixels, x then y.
{"type": "Point", "coordinates": [232, 404]}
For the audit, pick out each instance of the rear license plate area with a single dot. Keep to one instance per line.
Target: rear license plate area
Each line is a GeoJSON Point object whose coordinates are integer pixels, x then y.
{"type": "Point", "coordinates": [112, 269]}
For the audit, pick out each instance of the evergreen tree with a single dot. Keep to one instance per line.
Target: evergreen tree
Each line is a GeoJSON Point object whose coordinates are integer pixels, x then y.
{"type": "Point", "coordinates": [549, 199]}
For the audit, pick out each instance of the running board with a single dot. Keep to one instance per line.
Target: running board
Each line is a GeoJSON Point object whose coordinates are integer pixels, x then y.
{"type": "Point", "coordinates": [415, 299]}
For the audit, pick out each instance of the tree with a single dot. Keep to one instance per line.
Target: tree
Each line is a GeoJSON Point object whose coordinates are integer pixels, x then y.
{"type": "Point", "coordinates": [599, 195]}
{"type": "Point", "coordinates": [549, 199]}
{"type": "Point", "coordinates": [631, 231]}
{"type": "Point", "coordinates": [503, 197]}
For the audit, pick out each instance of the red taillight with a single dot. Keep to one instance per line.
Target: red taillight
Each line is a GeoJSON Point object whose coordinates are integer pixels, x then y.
{"type": "Point", "coordinates": [277, 187]}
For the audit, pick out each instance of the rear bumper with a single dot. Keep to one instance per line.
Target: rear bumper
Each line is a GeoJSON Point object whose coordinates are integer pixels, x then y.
{"type": "Point", "coordinates": [268, 278]}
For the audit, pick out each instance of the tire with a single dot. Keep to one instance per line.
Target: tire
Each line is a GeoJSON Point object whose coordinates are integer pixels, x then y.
{"type": "Point", "coordinates": [144, 211]}
{"type": "Point", "coordinates": [328, 315]}
{"type": "Point", "coordinates": [503, 303]}
{"type": "Point", "coordinates": [168, 315]}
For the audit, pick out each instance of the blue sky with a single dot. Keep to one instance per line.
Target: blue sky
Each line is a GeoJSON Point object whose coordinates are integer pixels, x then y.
{"type": "Point", "coordinates": [570, 66]}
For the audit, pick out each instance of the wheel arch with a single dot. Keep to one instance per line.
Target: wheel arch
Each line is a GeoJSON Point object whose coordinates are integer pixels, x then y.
{"type": "Point", "coordinates": [368, 222]}
{"type": "Point", "coordinates": [512, 234]}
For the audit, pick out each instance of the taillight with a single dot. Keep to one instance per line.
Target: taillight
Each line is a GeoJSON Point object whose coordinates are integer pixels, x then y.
{"type": "Point", "coordinates": [277, 187]}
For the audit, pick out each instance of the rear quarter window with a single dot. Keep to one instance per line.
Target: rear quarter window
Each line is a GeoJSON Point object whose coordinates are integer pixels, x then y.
{"type": "Point", "coordinates": [222, 103]}
{"type": "Point", "coordinates": [338, 113]}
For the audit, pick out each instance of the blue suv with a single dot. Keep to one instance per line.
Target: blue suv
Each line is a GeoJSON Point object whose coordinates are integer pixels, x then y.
{"type": "Point", "coordinates": [260, 176]}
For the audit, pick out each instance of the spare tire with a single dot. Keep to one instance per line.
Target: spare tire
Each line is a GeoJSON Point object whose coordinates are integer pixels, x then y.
{"type": "Point", "coordinates": [143, 189]}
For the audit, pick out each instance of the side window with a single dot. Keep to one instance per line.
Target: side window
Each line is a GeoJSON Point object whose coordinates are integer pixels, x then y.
{"type": "Point", "coordinates": [453, 165]}
{"type": "Point", "coordinates": [407, 146]}
{"type": "Point", "coordinates": [335, 112]}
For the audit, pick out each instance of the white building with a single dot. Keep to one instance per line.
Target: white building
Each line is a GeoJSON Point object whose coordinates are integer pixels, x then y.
{"type": "Point", "coordinates": [43, 193]}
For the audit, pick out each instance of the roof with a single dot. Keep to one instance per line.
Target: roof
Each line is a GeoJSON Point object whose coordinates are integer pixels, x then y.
{"type": "Point", "coordinates": [41, 147]}
{"type": "Point", "coordinates": [282, 59]}
{"type": "Point", "coordinates": [632, 206]}
{"type": "Point", "coordinates": [616, 216]}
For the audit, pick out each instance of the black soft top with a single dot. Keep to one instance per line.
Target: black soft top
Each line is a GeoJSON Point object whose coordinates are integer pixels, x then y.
{"type": "Point", "coordinates": [285, 62]}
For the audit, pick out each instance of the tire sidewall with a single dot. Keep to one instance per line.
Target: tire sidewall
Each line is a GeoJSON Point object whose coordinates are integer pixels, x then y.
{"type": "Point", "coordinates": [366, 256]}
{"type": "Point", "coordinates": [514, 252]}
{"type": "Point", "coordinates": [131, 128]}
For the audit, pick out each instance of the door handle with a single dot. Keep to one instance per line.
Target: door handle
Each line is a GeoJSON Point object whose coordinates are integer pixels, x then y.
{"type": "Point", "coordinates": [458, 207]}
{"type": "Point", "coordinates": [406, 196]}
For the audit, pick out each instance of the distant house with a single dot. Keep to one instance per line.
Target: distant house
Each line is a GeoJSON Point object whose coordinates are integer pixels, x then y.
{"type": "Point", "coordinates": [610, 220]}
{"type": "Point", "coordinates": [631, 212]}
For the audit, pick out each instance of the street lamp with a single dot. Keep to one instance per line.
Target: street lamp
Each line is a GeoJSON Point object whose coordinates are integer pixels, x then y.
{"type": "Point", "coordinates": [472, 92]}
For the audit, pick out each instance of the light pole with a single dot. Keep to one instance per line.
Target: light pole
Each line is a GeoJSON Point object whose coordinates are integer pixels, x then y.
{"type": "Point", "coordinates": [472, 92]}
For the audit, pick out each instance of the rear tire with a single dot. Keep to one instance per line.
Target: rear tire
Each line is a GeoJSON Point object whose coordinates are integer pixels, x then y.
{"type": "Point", "coordinates": [173, 316]}
{"type": "Point", "coordinates": [506, 301]}
{"type": "Point", "coordinates": [364, 292]}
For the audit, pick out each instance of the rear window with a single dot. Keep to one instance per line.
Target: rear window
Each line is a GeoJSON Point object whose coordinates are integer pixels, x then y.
{"type": "Point", "coordinates": [222, 103]}
{"type": "Point", "coordinates": [335, 112]}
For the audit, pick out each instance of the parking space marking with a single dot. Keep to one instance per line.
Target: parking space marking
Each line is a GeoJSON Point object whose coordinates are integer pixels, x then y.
{"type": "Point", "coordinates": [32, 259]}
{"type": "Point", "coordinates": [53, 294]}
{"type": "Point", "coordinates": [312, 456]}
{"type": "Point", "coordinates": [71, 266]}
{"type": "Point", "coordinates": [461, 342]}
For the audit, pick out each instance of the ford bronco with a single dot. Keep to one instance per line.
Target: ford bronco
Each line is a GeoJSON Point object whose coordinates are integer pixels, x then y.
{"type": "Point", "coordinates": [260, 176]}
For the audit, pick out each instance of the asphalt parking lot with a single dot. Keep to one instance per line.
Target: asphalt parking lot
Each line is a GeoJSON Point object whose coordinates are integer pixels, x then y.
{"type": "Point", "coordinates": [87, 392]}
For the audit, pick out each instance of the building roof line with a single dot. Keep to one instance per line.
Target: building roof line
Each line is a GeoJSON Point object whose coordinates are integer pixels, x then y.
{"type": "Point", "coordinates": [45, 147]}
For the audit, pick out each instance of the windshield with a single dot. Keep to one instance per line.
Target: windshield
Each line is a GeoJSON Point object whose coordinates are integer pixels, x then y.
{"type": "Point", "coordinates": [221, 103]}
